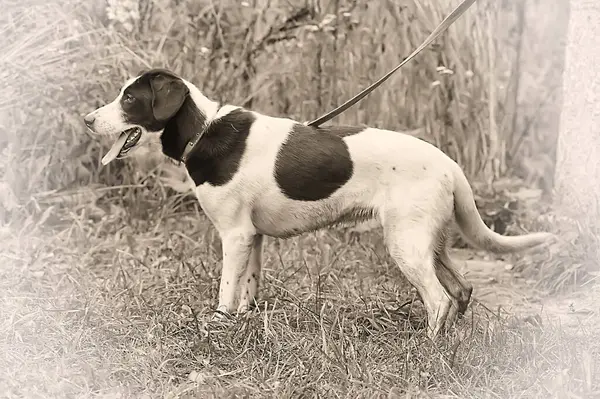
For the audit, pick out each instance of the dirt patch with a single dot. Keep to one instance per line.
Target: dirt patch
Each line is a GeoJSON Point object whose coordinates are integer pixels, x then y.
{"type": "Point", "coordinates": [500, 288]}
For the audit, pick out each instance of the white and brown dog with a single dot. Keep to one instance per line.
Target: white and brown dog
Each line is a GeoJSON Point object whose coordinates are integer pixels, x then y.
{"type": "Point", "coordinates": [257, 175]}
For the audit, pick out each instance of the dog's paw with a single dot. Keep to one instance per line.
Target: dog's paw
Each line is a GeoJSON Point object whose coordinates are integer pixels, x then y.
{"type": "Point", "coordinates": [221, 316]}
{"type": "Point", "coordinates": [219, 321]}
{"type": "Point", "coordinates": [247, 308]}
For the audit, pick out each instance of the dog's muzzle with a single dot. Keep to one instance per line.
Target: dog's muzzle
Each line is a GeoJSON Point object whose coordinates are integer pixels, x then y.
{"type": "Point", "coordinates": [126, 141]}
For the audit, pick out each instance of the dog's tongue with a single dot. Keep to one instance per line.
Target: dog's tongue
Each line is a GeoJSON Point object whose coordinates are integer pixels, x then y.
{"type": "Point", "coordinates": [115, 149]}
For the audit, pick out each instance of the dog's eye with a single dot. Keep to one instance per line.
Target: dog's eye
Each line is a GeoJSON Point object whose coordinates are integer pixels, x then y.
{"type": "Point", "coordinates": [129, 98]}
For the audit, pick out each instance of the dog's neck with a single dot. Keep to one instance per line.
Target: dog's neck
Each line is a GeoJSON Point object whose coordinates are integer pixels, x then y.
{"type": "Point", "coordinates": [216, 156]}
{"type": "Point", "coordinates": [206, 106]}
{"type": "Point", "coordinates": [195, 114]}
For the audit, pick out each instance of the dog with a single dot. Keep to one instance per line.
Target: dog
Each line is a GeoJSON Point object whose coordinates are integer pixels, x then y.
{"type": "Point", "coordinates": [256, 175]}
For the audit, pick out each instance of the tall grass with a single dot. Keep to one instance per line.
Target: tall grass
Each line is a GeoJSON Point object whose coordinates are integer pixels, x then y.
{"type": "Point", "coordinates": [49, 55]}
{"type": "Point", "coordinates": [61, 59]}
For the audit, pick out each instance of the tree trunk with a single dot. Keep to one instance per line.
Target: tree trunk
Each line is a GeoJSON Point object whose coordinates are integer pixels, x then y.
{"type": "Point", "coordinates": [577, 175]}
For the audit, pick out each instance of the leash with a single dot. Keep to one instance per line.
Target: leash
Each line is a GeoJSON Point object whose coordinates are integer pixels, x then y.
{"type": "Point", "coordinates": [449, 20]}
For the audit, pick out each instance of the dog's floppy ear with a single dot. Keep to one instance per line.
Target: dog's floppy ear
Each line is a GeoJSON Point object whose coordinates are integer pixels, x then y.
{"type": "Point", "coordinates": [168, 94]}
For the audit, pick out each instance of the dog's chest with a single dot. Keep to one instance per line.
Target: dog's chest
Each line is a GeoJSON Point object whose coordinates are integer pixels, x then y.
{"type": "Point", "coordinates": [229, 203]}
{"type": "Point", "coordinates": [218, 204]}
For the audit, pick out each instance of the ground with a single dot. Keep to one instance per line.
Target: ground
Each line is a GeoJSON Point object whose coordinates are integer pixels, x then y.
{"type": "Point", "coordinates": [112, 299]}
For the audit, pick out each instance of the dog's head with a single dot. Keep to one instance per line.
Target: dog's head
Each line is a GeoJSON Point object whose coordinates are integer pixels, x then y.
{"type": "Point", "coordinates": [143, 108]}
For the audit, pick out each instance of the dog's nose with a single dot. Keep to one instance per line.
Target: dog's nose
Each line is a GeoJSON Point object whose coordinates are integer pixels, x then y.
{"type": "Point", "coordinates": [89, 120]}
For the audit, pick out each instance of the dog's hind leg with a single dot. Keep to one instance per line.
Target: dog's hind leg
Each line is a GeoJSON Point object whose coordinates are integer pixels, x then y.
{"type": "Point", "coordinates": [410, 243]}
{"type": "Point", "coordinates": [251, 279]}
{"type": "Point", "coordinates": [453, 282]}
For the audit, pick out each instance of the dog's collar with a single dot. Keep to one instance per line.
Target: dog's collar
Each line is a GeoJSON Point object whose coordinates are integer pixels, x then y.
{"type": "Point", "coordinates": [189, 147]}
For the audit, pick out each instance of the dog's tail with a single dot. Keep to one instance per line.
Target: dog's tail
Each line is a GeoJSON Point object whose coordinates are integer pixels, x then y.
{"type": "Point", "coordinates": [474, 229]}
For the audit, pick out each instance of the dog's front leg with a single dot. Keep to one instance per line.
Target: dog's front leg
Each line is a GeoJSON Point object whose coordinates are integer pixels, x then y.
{"type": "Point", "coordinates": [250, 282]}
{"type": "Point", "coordinates": [236, 252]}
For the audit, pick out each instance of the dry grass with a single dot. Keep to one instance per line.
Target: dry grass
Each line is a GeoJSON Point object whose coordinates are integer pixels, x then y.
{"type": "Point", "coordinates": [108, 274]}
{"type": "Point", "coordinates": [94, 307]}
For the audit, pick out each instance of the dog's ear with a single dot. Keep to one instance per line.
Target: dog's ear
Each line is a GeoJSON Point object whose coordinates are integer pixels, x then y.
{"type": "Point", "coordinates": [168, 94]}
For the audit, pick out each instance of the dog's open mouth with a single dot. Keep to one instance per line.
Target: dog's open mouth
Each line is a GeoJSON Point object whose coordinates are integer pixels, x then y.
{"type": "Point", "coordinates": [126, 141]}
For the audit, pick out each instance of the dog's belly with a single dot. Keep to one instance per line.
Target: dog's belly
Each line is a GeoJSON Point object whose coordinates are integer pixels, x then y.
{"type": "Point", "coordinates": [295, 217]}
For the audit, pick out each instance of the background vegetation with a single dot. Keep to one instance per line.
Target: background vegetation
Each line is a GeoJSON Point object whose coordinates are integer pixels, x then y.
{"type": "Point", "coordinates": [109, 272]}
{"type": "Point", "coordinates": [485, 93]}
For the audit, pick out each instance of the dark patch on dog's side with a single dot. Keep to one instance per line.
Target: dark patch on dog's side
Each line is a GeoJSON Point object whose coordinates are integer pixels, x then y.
{"type": "Point", "coordinates": [217, 156]}
{"type": "Point", "coordinates": [314, 162]}
{"type": "Point", "coordinates": [341, 130]}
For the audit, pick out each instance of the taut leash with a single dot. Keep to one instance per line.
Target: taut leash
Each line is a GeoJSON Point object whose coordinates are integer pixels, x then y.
{"type": "Point", "coordinates": [449, 20]}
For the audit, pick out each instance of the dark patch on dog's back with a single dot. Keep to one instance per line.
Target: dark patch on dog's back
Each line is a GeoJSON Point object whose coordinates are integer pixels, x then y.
{"type": "Point", "coordinates": [341, 130]}
{"type": "Point", "coordinates": [217, 156]}
{"type": "Point", "coordinates": [314, 162]}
